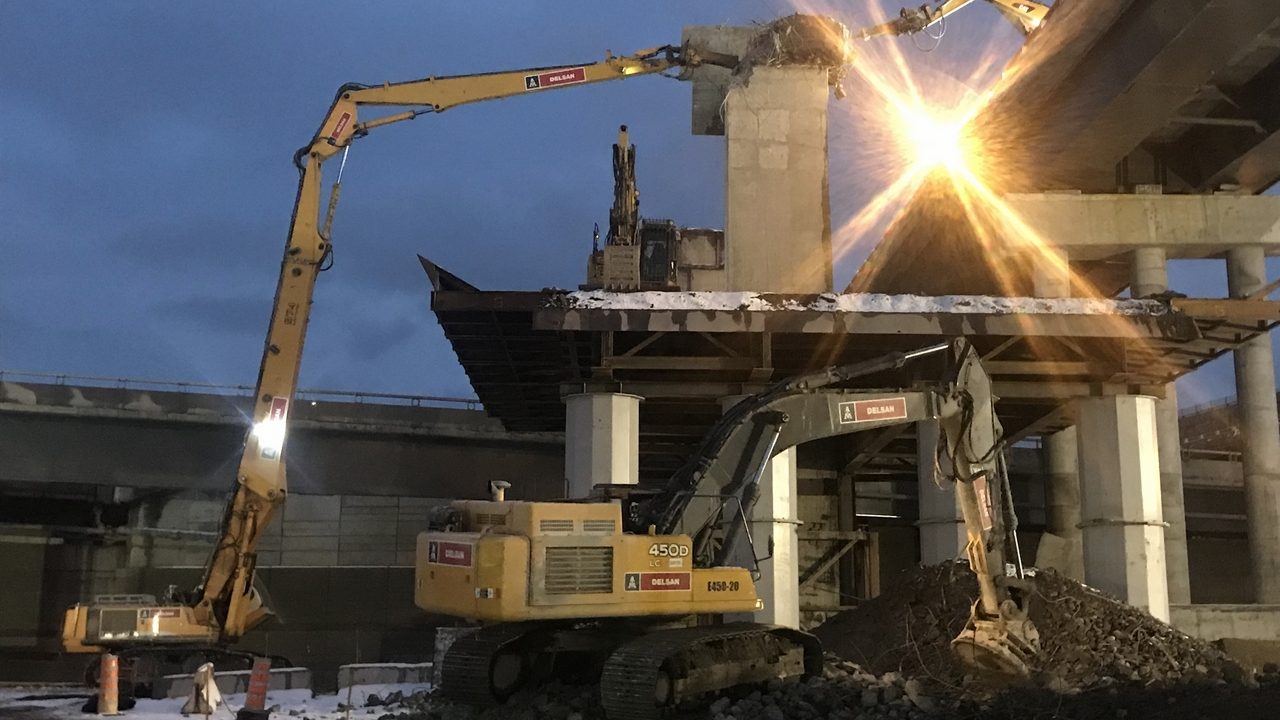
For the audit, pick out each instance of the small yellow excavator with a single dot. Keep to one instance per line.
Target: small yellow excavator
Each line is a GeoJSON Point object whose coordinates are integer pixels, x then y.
{"type": "Point", "coordinates": [635, 584]}
{"type": "Point", "coordinates": [226, 604]}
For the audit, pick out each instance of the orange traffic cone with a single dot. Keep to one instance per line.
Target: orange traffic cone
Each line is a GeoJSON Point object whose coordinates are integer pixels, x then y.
{"type": "Point", "coordinates": [255, 701]}
{"type": "Point", "coordinates": [109, 685]}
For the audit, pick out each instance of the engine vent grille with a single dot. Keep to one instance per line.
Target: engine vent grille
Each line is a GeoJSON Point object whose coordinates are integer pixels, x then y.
{"type": "Point", "coordinates": [556, 526]}
{"type": "Point", "coordinates": [491, 519]}
{"type": "Point", "coordinates": [579, 570]}
{"type": "Point", "coordinates": [117, 622]}
{"type": "Point", "coordinates": [604, 527]}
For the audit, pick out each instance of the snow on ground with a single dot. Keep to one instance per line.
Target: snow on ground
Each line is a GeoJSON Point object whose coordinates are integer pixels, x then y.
{"type": "Point", "coordinates": [853, 302]}
{"type": "Point", "coordinates": [295, 703]}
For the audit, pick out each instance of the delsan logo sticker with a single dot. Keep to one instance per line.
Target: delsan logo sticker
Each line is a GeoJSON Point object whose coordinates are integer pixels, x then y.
{"type": "Point", "coordinates": [868, 410]}
{"type": "Point", "coordinates": [656, 581]}
{"type": "Point", "coordinates": [340, 126]}
{"type": "Point", "coordinates": [449, 553]}
{"type": "Point", "coordinates": [552, 78]}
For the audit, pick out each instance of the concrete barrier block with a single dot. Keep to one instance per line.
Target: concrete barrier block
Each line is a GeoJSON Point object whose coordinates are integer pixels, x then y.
{"type": "Point", "coordinates": [234, 682]}
{"type": "Point", "coordinates": [1217, 622]}
{"type": "Point", "coordinates": [384, 674]}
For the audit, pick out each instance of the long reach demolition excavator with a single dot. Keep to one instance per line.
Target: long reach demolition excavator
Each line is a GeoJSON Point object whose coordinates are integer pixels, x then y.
{"type": "Point", "coordinates": [226, 604]}
{"type": "Point", "coordinates": [557, 564]}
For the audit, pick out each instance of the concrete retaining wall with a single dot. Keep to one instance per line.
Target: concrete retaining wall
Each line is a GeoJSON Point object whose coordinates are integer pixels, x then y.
{"type": "Point", "coordinates": [384, 674]}
{"type": "Point", "coordinates": [1216, 622]}
{"type": "Point", "coordinates": [234, 682]}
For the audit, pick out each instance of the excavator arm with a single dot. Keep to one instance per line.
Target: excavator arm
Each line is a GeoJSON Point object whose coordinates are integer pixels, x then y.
{"type": "Point", "coordinates": [731, 460]}
{"type": "Point", "coordinates": [1026, 14]}
{"type": "Point", "coordinates": [226, 594]}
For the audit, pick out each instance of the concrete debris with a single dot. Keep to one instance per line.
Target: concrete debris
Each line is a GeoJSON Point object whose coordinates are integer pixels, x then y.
{"type": "Point", "coordinates": [800, 40]}
{"type": "Point", "coordinates": [850, 302]}
{"type": "Point", "coordinates": [808, 40]}
{"type": "Point", "coordinates": [1089, 639]}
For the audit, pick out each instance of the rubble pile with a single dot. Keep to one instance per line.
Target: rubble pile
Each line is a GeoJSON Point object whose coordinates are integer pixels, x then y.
{"type": "Point", "coordinates": [845, 691]}
{"type": "Point", "coordinates": [890, 659]}
{"type": "Point", "coordinates": [1088, 638]}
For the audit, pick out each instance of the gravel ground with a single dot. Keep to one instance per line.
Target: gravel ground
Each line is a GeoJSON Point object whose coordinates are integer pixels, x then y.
{"type": "Point", "coordinates": [890, 659]}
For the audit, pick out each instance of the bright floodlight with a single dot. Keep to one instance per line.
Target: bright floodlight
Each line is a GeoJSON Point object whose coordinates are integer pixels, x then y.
{"type": "Point", "coordinates": [270, 436]}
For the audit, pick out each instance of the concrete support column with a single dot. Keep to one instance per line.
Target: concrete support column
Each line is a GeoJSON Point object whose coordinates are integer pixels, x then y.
{"type": "Point", "coordinates": [145, 515]}
{"type": "Point", "coordinates": [601, 441]}
{"type": "Point", "coordinates": [1062, 500]}
{"type": "Point", "coordinates": [1256, 398]}
{"type": "Point", "coordinates": [942, 533]}
{"type": "Point", "coordinates": [1150, 276]}
{"type": "Point", "coordinates": [1050, 273]}
{"type": "Point", "coordinates": [1061, 547]}
{"type": "Point", "coordinates": [1121, 524]}
{"type": "Point", "coordinates": [777, 219]}
{"type": "Point", "coordinates": [774, 526]}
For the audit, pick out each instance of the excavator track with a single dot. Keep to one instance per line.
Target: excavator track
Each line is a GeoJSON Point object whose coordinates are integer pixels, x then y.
{"type": "Point", "coordinates": [467, 674]}
{"type": "Point", "coordinates": [646, 677]}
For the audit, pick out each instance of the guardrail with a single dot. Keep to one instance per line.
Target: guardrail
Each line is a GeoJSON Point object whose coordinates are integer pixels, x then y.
{"type": "Point", "coordinates": [314, 394]}
{"type": "Point", "coordinates": [1198, 454]}
{"type": "Point", "coordinates": [1222, 402]}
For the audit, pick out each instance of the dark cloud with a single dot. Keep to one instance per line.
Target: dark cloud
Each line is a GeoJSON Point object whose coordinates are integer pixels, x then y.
{"type": "Point", "coordinates": [220, 314]}
{"type": "Point", "coordinates": [372, 339]}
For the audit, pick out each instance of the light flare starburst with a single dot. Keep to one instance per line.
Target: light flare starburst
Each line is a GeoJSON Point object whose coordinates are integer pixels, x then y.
{"type": "Point", "coordinates": [908, 132]}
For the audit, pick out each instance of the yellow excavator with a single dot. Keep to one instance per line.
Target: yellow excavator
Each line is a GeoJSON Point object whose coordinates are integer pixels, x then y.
{"type": "Point", "coordinates": [226, 604]}
{"type": "Point", "coordinates": [636, 584]}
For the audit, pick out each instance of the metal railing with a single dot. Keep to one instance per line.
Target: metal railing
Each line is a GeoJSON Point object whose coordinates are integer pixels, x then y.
{"type": "Point", "coordinates": [1223, 402]}
{"type": "Point", "coordinates": [316, 394]}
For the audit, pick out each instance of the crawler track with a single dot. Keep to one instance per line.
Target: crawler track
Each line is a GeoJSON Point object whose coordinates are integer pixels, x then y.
{"type": "Point", "coordinates": [643, 677]}
{"type": "Point", "coordinates": [467, 671]}
{"type": "Point", "coordinates": [647, 676]}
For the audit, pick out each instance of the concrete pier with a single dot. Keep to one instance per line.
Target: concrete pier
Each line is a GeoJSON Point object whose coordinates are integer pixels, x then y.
{"type": "Point", "coordinates": [1121, 526]}
{"type": "Point", "coordinates": [942, 533]}
{"type": "Point", "coordinates": [777, 222]}
{"type": "Point", "coordinates": [774, 526]}
{"type": "Point", "coordinates": [1256, 394]}
{"type": "Point", "coordinates": [1150, 277]}
{"type": "Point", "coordinates": [1062, 503]}
{"type": "Point", "coordinates": [601, 441]}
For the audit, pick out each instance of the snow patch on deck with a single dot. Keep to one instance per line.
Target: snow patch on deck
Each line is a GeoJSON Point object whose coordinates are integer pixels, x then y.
{"type": "Point", "coordinates": [852, 303]}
